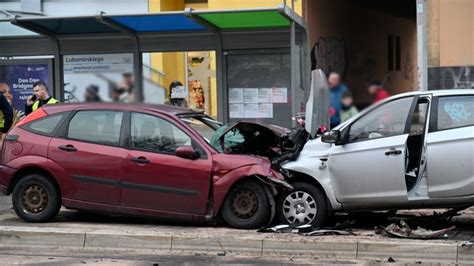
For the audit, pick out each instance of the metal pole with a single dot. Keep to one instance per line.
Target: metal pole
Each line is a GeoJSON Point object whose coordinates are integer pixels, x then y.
{"type": "Point", "coordinates": [294, 75]}
{"type": "Point", "coordinates": [422, 41]}
{"type": "Point", "coordinates": [58, 73]}
{"type": "Point", "coordinates": [58, 83]}
{"type": "Point", "coordinates": [137, 57]}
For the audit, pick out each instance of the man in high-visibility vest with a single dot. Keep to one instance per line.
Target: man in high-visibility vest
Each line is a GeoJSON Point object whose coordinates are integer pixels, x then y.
{"type": "Point", "coordinates": [40, 98]}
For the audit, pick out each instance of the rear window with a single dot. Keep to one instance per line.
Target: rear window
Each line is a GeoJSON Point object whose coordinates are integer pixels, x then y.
{"type": "Point", "coordinates": [101, 127]}
{"type": "Point", "coordinates": [455, 111]}
{"type": "Point", "coordinates": [46, 125]}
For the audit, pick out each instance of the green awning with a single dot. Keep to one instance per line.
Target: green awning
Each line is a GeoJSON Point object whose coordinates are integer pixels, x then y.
{"type": "Point", "coordinates": [246, 19]}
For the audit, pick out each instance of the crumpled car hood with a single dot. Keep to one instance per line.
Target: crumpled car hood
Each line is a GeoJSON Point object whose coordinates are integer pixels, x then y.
{"type": "Point", "coordinates": [227, 162]}
{"type": "Point", "coordinates": [274, 130]}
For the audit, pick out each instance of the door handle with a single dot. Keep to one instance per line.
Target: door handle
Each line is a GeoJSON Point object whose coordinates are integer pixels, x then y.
{"type": "Point", "coordinates": [393, 151]}
{"type": "Point", "coordinates": [140, 160]}
{"type": "Point", "coordinates": [68, 148]}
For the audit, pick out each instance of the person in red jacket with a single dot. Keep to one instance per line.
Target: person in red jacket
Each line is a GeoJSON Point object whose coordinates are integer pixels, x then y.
{"type": "Point", "coordinates": [377, 92]}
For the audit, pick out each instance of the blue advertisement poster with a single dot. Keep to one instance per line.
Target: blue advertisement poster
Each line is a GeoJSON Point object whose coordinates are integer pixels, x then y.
{"type": "Point", "coordinates": [20, 79]}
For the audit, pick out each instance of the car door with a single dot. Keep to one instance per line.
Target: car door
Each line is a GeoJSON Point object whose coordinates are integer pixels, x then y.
{"type": "Point", "coordinates": [370, 166]}
{"type": "Point", "coordinates": [88, 157]}
{"type": "Point", "coordinates": [155, 177]}
{"type": "Point", "coordinates": [451, 147]}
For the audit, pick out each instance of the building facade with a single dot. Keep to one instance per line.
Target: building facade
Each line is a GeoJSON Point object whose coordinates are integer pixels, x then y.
{"type": "Point", "coordinates": [405, 44]}
{"type": "Point", "coordinates": [450, 44]}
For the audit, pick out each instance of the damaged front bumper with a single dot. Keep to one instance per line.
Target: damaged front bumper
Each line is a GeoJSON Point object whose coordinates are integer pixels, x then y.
{"type": "Point", "coordinates": [279, 182]}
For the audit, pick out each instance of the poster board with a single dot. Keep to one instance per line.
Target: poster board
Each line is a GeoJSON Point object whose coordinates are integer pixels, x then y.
{"type": "Point", "coordinates": [21, 74]}
{"type": "Point", "coordinates": [258, 87]}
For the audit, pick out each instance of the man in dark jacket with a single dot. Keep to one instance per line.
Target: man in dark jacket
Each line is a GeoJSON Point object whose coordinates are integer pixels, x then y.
{"type": "Point", "coordinates": [337, 89]}
{"type": "Point", "coordinates": [7, 111]}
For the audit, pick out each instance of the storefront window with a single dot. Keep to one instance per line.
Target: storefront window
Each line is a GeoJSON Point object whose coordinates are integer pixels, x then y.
{"type": "Point", "coordinates": [186, 79]}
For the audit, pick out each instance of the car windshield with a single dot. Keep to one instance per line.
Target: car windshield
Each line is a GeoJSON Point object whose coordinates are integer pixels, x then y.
{"type": "Point", "coordinates": [202, 124]}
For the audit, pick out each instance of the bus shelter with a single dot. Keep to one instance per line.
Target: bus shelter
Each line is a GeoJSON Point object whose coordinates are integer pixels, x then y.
{"type": "Point", "coordinates": [249, 44]}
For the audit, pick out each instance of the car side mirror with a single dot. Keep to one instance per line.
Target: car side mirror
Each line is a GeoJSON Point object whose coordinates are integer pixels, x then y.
{"type": "Point", "coordinates": [332, 136]}
{"type": "Point", "coordinates": [187, 152]}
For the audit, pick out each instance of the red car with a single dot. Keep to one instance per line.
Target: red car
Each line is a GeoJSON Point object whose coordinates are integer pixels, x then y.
{"type": "Point", "coordinates": [144, 160]}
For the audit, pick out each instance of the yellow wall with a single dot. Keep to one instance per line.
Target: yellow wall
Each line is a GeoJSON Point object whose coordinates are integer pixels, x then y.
{"type": "Point", "coordinates": [173, 63]}
{"type": "Point", "coordinates": [456, 32]}
{"type": "Point", "coordinates": [234, 4]}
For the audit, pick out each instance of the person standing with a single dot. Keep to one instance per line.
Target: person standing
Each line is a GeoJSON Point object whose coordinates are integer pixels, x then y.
{"type": "Point", "coordinates": [377, 92]}
{"type": "Point", "coordinates": [92, 94]}
{"type": "Point", "coordinates": [17, 114]}
{"type": "Point", "coordinates": [40, 98]}
{"type": "Point", "coordinates": [337, 89]}
{"type": "Point", "coordinates": [177, 94]}
{"type": "Point", "coordinates": [348, 109]}
{"type": "Point", "coordinates": [6, 111]}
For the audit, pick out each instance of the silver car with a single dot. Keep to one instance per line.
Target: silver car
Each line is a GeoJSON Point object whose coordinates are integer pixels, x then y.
{"type": "Point", "coordinates": [413, 150]}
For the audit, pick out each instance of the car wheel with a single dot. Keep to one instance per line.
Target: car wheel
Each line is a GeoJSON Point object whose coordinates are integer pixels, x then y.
{"type": "Point", "coordinates": [36, 199]}
{"type": "Point", "coordinates": [246, 206]}
{"type": "Point", "coordinates": [305, 204]}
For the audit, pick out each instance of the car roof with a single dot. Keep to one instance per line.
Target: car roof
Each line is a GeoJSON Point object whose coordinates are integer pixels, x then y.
{"type": "Point", "coordinates": [161, 108]}
{"type": "Point", "coordinates": [452, 92]}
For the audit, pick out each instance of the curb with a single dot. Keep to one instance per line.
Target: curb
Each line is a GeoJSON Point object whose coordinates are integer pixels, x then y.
{"type": "Point", "coordinates": [107, 241]}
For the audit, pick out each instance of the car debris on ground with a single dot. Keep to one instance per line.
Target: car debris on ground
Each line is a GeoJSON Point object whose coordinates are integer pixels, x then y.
{"type": "Point", "coordinates": [403, 230]}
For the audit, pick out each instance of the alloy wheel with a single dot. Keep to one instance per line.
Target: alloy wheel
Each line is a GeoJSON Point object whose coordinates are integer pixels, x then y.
{"type": "Point", "coordinates": [299, 207]}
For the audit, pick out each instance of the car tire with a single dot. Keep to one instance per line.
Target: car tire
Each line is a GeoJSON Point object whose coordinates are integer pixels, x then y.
{"type": "Point", "coordinates": [246, 206]}
{"type": "Point", "coordinates": [36, 199]}
{"type": "Point", "coordinates": [305, 204]}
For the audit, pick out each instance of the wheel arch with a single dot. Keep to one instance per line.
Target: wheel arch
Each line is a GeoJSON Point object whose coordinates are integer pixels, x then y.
{"type": "Point", "coordinates": [32, 170]}
{"type": "Point", "coordinates": [303, 177]}
{"type": "Point", "coordinates": [251, 178]}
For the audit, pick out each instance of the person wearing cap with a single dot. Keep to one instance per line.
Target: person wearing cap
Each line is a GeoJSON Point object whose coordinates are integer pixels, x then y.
{"type": "Point", "coordinates": [40, 98]}
{"type": "Point", "coordinates": [377, 92]}
{"type": "Point", "coordinates": [92, 94]}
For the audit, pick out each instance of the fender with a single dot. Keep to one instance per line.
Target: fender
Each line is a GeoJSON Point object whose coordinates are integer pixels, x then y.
{"type": "Point", "coordinates": [223, 183]}
{"type": "Point", "coordinates": [318, 170]}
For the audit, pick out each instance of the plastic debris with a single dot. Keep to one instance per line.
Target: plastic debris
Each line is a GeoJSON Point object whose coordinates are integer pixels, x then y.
{"type": "Point", "coordinates": [322, 232]}
{"type": "Point", "coordinates": [404, 231]}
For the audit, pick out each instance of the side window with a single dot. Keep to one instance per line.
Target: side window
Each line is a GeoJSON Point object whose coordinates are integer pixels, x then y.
{"type": "Point", "coordinates": [386, 120]}
{"type": "Point", "coordinates": [101, 127]}
{"type": "Point", "coordinates": [455, 111]}
{"type": "Point", "coordinates": [45, 126]}
{"type": "Point", "coordinates": [156, 134]}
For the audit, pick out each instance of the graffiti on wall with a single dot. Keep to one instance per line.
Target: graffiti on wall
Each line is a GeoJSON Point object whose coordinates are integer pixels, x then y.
{"type": "Point", "coordinates": [408, 70]}
{"type": "Point", "coordinates": [461, 77]}
{"type": "Point", "coordinates": [330, 55]}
